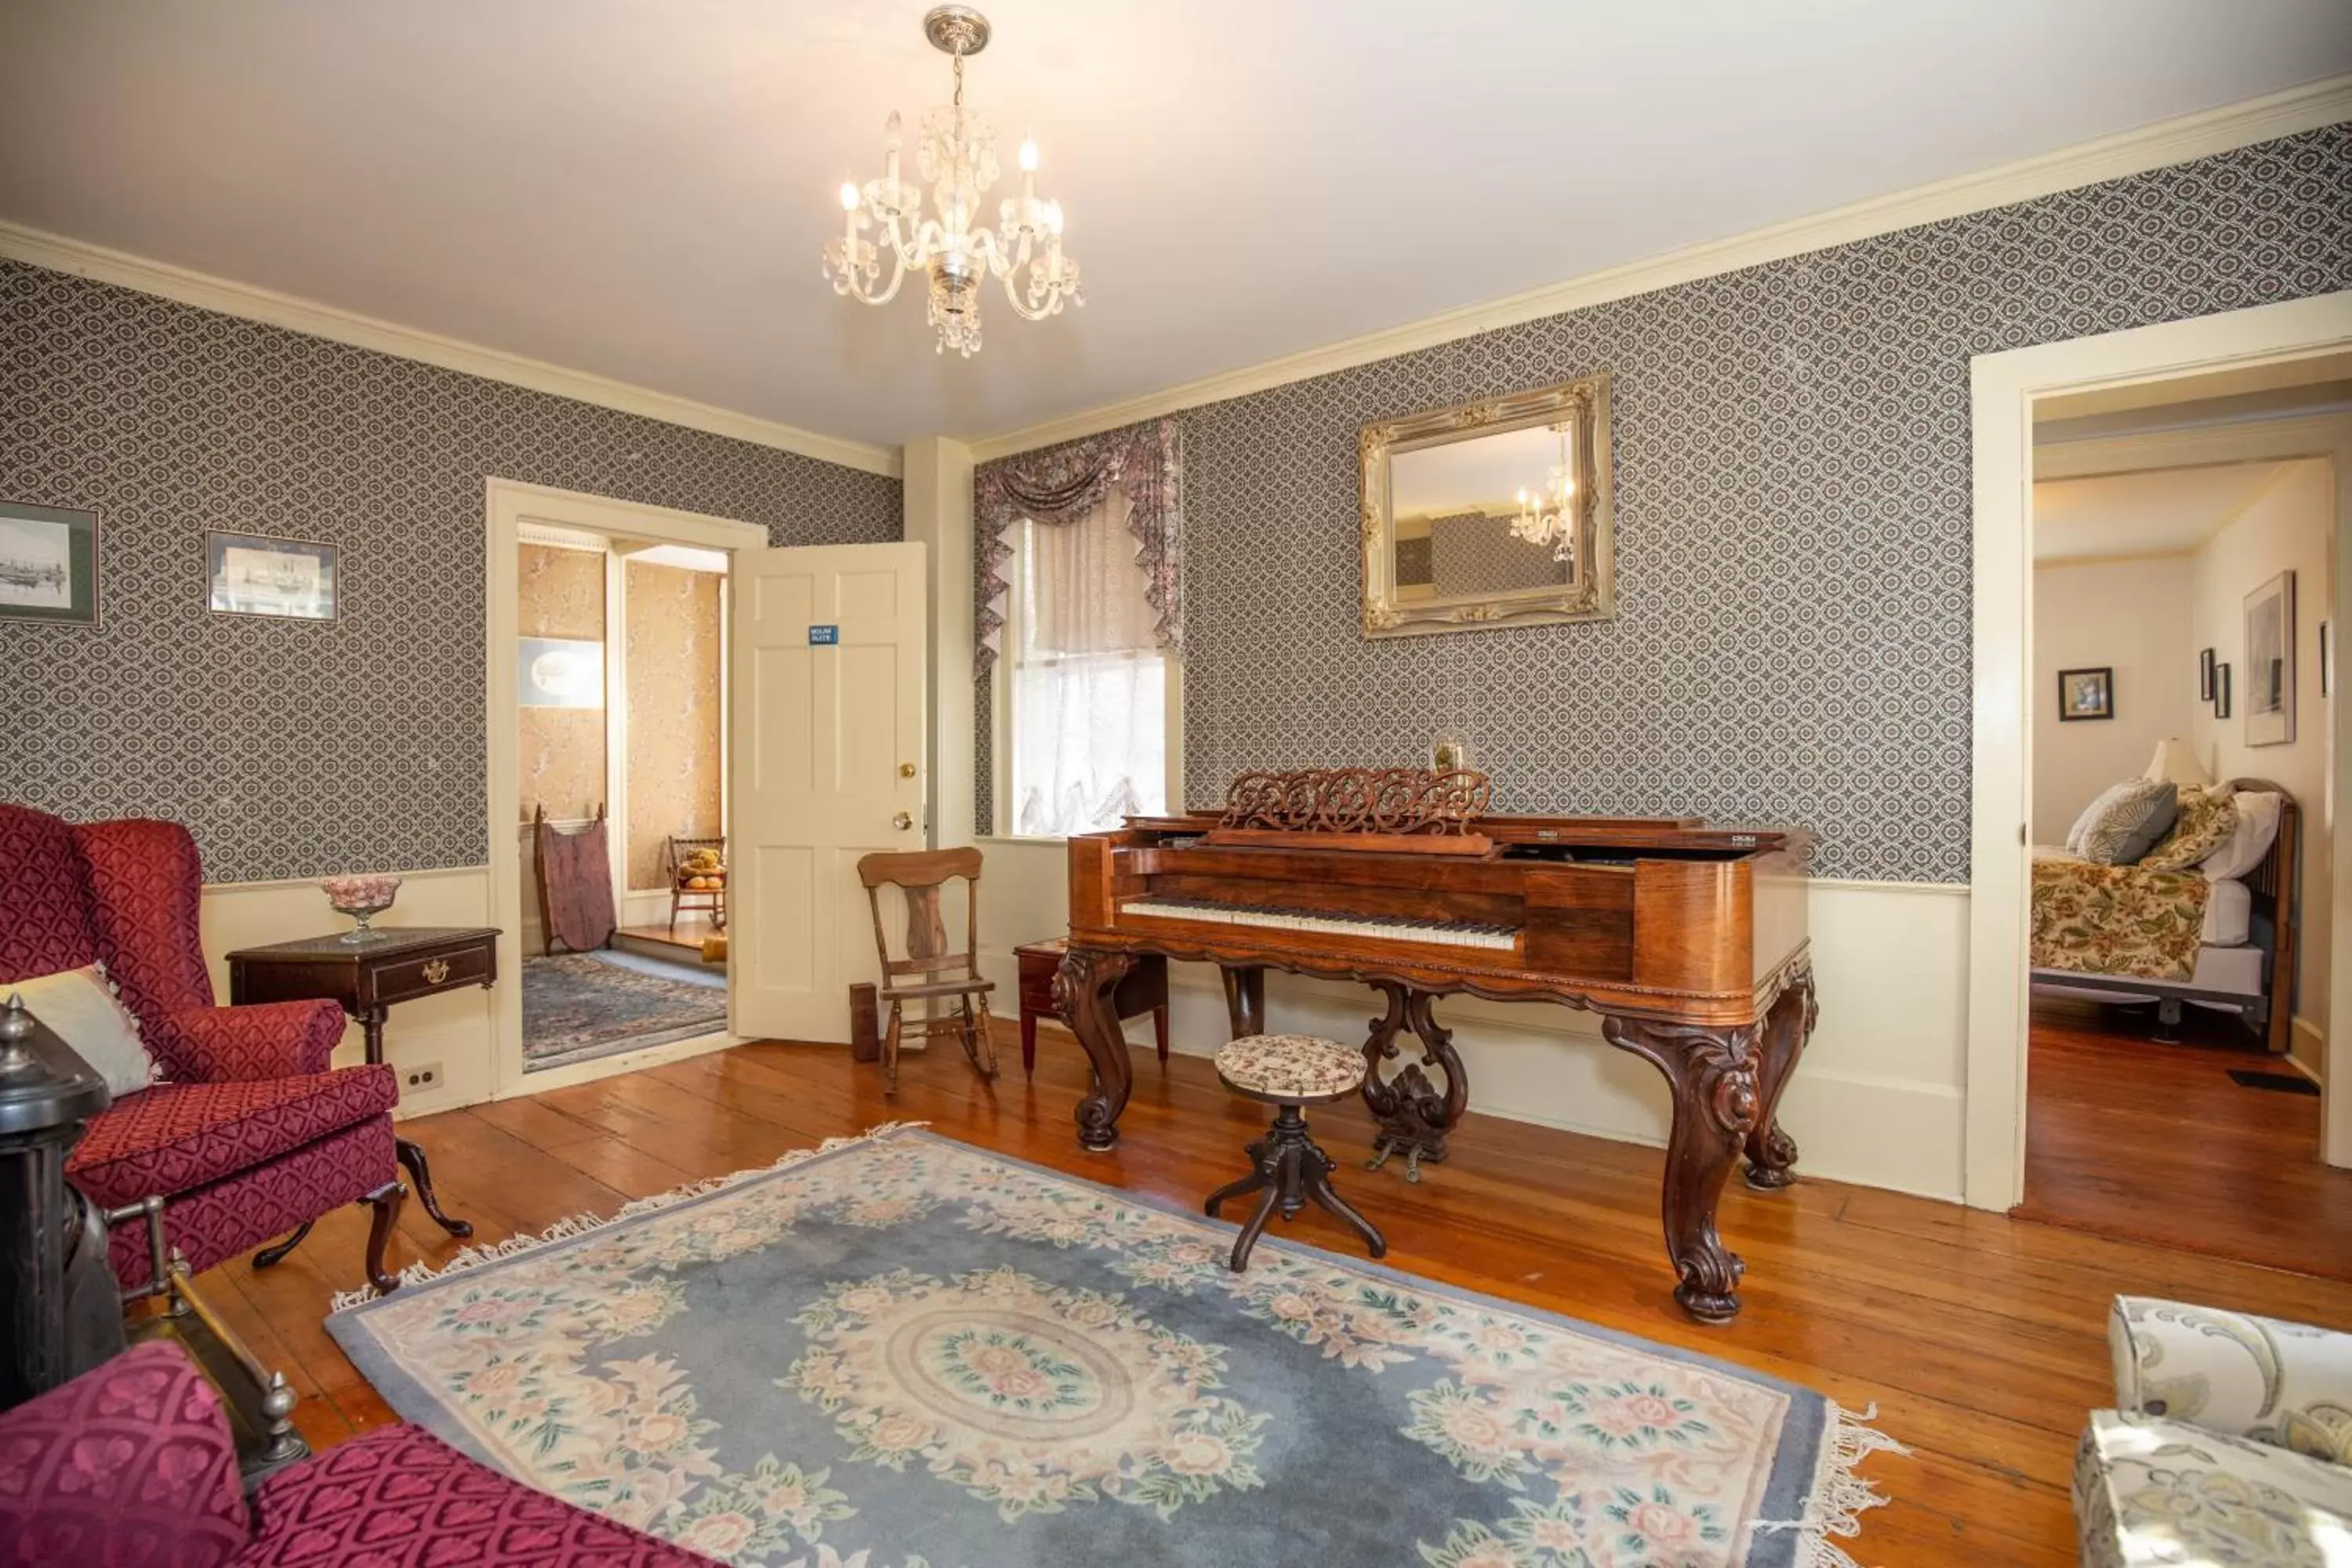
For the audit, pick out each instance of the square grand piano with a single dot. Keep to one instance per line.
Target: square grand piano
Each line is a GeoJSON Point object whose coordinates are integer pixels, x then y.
{"type": "Point", "coordinates": [1687, 940]}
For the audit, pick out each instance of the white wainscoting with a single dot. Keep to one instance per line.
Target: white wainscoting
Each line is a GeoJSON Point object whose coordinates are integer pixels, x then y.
{"type": "Point", "coordinates": [1878, 1100]}
{"type": "Point", "coordinates": [453, 1029]}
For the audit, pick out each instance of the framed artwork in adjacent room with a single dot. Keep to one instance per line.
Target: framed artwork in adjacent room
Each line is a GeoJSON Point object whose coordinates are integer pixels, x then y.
{"type": "Point", "coordinates": [292, 579]}
{"type": "Point", "coordinates": [2086, 694]}
{"type": "Point", "coordinates": [48, 564]}
{"type": "Point", "coordinates": [2270, 663]}
{"type": "Point", "coordinates": [2221, 691]}
{"type": "Point", "coordinates": [559, 672]}
{"type": "Point", "coordinates": [2205, 676]}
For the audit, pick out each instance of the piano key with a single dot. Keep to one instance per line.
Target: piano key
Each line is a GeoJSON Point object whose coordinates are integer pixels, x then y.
{"type": "Point", "coordinates": [1382, 927]}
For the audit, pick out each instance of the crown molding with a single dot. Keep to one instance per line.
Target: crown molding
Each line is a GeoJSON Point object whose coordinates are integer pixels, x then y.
{"type": "Point", "coordinates": [2299, 108]}
{"type": "Point", "coordinates": [2196, 446]}
{"type": "Point", "coordinates": [59, 254]}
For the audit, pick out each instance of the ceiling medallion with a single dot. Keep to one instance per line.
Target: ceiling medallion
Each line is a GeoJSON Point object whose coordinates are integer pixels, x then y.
{"type": "Point", "coordinates": [956, 252]}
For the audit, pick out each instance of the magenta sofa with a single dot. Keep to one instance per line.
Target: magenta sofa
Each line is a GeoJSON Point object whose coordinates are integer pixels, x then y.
{"type": "Point", "coordinates": [131, 1465]}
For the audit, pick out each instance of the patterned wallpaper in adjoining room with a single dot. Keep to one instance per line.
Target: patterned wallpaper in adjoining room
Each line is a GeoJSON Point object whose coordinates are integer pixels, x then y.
{"type": "Point", "coordinates": [294, 749]}
{"type": "Point", "coordinates": [1793, 501]}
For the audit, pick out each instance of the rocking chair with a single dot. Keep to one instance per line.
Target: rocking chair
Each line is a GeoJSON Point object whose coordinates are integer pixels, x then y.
{"type": "Point", "coordinates": [925, 974]}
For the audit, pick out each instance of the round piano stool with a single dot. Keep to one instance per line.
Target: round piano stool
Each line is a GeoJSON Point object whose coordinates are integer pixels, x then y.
{"type": "Point", "coordinates": [1289, 1072]}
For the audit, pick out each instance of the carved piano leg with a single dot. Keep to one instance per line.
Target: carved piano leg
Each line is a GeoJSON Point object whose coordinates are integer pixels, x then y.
{"type": "Point", "coordinates": [1082, 994]}
{"type": "Point", "coordinates": [1244, 998]}
{"type": "Point", "coordinates": [1713, 1075]}
{"type": "Point", "coordinates": [1770, 1152]}
{"type": "Point", "coordinates": [1415, 1115]}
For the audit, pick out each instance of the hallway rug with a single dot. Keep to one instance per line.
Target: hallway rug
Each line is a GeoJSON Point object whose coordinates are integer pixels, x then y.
{"type": "Point", "coordinates": [902, 1352]}
{"type": "Point", "coordinates": [577, 1007]}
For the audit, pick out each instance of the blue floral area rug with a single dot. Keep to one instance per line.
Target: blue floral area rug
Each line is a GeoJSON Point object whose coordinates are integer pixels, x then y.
{"type": "Point", "coordinates": [900, 1352]}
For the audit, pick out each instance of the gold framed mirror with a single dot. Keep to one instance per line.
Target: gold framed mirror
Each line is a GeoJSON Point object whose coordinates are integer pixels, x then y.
{"type": "Point", "coordinates": [1491, 513]}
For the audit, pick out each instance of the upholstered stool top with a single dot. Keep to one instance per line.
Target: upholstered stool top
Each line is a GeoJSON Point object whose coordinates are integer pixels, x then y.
{"type": "Point", "coordinates": [1296, 1068]}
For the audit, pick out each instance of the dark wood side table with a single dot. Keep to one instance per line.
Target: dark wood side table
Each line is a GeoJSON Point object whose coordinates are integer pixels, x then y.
{"type": "Point", "coordinates": [1143, 989]}
{"type": "Point", "coordinates": [391, 963]}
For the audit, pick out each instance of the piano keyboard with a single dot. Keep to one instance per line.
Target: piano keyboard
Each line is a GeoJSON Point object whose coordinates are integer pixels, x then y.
{"type": "Point", "coordinates": [1377, 928]}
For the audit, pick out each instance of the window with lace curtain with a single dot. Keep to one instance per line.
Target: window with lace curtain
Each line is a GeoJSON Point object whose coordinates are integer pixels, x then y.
{"type": "Point", "coordinates": [1088, 688]}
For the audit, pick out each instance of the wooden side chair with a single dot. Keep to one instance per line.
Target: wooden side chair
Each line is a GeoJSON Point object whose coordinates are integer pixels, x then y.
{"type": "Point", "coordinates": [927, 971]}
{"type": "Point", "coordinates": [684, 896]}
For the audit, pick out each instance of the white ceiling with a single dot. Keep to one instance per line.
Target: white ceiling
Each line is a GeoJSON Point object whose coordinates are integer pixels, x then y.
{"type": "Point", "coordinates": [2162, 511]}
{"type": "Point", "coordinates": [640, 191]}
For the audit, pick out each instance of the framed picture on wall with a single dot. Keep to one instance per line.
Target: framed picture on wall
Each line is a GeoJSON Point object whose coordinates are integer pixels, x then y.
{"type": "Point", "coordinates": [2326, 658]}
{"type": "Point", "coordinates": [252, 574]}
{"type": "Point", "coordinates": [559, 672]}
{"type": "Point", "coordinates": [2086, 694]}
{"type": "Point", "coordinates": [2221, 691]}
{"type": "Point", "coordinates": [48, 564]}
{"type": "Point", "coordinates": [2205, 676]}
{"type": "Point", "coordinates": [2270, 663]}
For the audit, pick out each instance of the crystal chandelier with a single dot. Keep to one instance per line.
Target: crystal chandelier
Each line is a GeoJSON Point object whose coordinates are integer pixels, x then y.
{"type": "Point", "coordinates": [953, 249]}
{"type": "Point", "coordinates": [1549, 516]}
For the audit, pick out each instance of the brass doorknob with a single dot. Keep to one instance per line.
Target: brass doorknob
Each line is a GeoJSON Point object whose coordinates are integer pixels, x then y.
{"type": "Point", "coordinates": [902, 822]}
{"type": "Point", "coordinates": [906, 770]}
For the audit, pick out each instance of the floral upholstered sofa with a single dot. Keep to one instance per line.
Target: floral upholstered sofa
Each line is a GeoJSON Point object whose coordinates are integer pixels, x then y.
{"type": "Point", "coordinates": [2231, 1442]}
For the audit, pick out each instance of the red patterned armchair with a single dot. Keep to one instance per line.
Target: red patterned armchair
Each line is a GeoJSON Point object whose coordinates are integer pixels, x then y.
{"type": "Point", "coordinates": [249, 1132]}
{"type": "Point", "coordinates": [131, 1465]}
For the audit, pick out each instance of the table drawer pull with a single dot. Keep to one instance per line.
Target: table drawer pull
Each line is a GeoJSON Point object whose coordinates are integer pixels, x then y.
{"type": "Point", "coordinates": [435, 971]}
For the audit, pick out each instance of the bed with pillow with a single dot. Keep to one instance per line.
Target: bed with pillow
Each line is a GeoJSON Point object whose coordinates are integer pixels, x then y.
{"type": "Point", "coordinates": [2174, 894]}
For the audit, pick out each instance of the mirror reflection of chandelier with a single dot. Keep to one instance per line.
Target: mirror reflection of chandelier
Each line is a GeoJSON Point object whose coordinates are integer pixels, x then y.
{"type": "Point", "coordinates": [1549, 516]}
{"type": "Point", "coordinates": [953, 249]}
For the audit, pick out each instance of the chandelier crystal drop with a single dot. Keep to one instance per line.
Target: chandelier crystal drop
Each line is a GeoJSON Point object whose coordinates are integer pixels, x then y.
{"type": "Point", "coordinates": [953, 249]}
{"type": "Point", "coordinates": [1549, 517]}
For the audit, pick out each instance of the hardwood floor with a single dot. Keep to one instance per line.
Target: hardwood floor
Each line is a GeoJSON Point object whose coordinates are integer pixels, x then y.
{"type": "Point", "coordinates": [2129, 1138]}
{"type": "Point", "coordinates": [1980, 1338]}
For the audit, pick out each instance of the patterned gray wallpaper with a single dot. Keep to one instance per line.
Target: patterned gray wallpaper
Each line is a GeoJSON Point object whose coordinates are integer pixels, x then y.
{"type": "Point", "coordinates": [1792, 473]}
{"type": "Point", "coordinates": [293, 749]}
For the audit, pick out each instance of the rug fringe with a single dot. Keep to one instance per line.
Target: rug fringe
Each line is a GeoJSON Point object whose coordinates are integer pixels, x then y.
{"type": "Point", "coordinates": [581, 1224]}
{"type": "Point", "coordinates": [1839, 1496]}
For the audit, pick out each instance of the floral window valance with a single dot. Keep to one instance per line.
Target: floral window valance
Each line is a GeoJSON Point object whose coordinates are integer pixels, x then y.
{"type": "Point", "coordinates": [1059, 486]}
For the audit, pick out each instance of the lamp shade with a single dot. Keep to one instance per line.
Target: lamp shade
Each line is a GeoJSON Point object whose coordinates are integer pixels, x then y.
{"type": "Point", "coordinates": [2176, 760]}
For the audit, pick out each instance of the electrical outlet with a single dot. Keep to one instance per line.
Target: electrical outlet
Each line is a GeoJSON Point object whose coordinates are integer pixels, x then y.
{"type": "Point", "coordinates": [427, 1076]}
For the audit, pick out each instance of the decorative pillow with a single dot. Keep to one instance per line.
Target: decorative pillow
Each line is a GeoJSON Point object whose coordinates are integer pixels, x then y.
{"type": "Point", "coordinates": [2207, 819]}
{"type": "Point", "coordinates": [2132, 823]}
{"type": "Point", "coordinates": [2258, 825]}
{"type": "Point", "coordinates": [80, 1006]}
{"type": "Point", "coordinates": [2099, 806]}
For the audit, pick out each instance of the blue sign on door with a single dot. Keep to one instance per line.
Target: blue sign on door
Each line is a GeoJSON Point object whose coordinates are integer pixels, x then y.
{"type": "Point", "coordinates": [824, 636]}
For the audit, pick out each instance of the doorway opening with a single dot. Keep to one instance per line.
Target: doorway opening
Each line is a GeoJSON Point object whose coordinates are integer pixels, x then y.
{"type": "Point", "coordinates": [620, 677]}
{"type": "Point", "coordinates": [2183, 540]}
{"type": "Point", "coordinates": [2162, 531]}
{"type": "Point", "coordinates": [609, 805]}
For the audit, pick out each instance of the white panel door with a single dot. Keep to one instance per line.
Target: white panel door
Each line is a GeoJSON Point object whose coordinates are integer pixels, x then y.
{"type": "Point", "coordinates": [831, 645]}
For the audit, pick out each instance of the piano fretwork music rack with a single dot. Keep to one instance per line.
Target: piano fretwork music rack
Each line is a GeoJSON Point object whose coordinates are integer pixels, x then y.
{"type": "Point", "coordinates": [1687, 940]}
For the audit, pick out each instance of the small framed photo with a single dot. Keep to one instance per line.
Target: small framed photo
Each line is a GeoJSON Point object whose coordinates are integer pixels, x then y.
{"type": "Point", "coordinates": [2205, 676]}
{"type": "Point", "coordinates": [2086, 694]}
{"type": "Point", "coordinates": [48, 564]}
{"type": "Point", "coordinates": [291, 579]}
{"type": "Point", "coordinates": [2221, 691]}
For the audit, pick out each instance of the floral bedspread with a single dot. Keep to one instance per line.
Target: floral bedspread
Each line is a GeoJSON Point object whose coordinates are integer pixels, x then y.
{"type": "Point", "coordinates": [2116, 919]}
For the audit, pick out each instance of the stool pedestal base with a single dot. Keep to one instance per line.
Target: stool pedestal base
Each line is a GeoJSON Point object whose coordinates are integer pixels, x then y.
{"type": "Point", "coordinates": [1290, 1169]}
